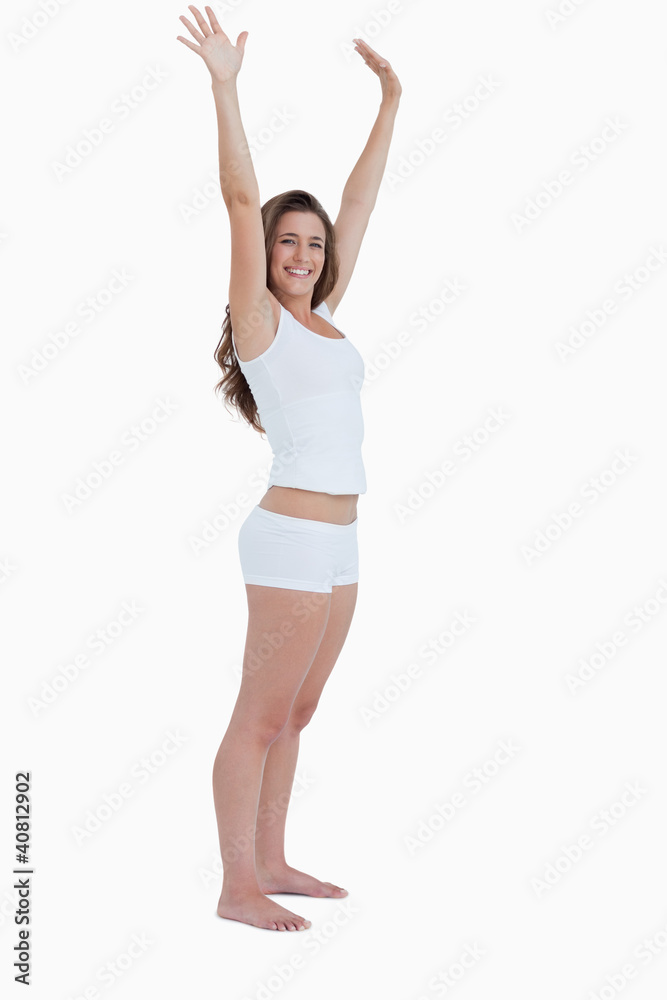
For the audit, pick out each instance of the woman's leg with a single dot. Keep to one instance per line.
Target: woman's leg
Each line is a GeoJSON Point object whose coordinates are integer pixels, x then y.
{"type": "Point", "coordinates": [273, 872]}
{"type": "Point", "coordinates": [280, 648]}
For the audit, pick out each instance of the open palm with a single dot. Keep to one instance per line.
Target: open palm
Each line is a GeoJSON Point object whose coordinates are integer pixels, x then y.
{"type": "Point", "coordinates": [221, 57]}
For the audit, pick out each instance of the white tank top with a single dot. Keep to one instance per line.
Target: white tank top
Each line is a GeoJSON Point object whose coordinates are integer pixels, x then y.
{"type": "Point", "coordinates": [307, 390]}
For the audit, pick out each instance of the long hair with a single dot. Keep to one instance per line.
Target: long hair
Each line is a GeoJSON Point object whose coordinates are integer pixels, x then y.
{"type": "Point", "coordinates": [233, 384]}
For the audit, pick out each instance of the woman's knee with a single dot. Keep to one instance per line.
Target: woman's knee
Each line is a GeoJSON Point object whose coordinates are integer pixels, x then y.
{"type": "Point", "coordinates": [266, 728]}
{"type": "Point", "coordinates": [301, 715]}
{"type": "Point", "coordinates": [274, 727]}
{"type": "Point", "coordinates": [270, 727]}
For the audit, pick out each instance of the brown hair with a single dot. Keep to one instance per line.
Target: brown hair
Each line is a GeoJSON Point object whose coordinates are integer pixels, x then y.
{"type": "Point", "coordinates": [233, 384]}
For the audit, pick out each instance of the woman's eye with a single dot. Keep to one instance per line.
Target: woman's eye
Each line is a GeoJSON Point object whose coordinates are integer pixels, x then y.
{"type": "Point", "coordinates": [318, 246]}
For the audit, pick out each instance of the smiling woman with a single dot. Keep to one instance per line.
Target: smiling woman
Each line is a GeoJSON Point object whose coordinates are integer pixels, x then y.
{"type": "Point", "coordinates": [268, 284]}
{"type": "Point", "coordinates": [294, 376]}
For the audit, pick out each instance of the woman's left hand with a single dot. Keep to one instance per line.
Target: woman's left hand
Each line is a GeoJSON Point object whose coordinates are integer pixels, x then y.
{"type": "Point", "coordinates": [391, 87]}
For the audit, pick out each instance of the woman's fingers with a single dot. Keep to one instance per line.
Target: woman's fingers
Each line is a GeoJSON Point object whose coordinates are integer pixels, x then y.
{"type": "Point", "coordinates": [360, 41]}
{"type": "Point", "coordinates": [206, 31]}
{"type": "Point", "coordinates": [214, 21]}
{"type": "Point", "coordinates": [191, 28]}
{"type": "Point", "coordinates": [179, 38]}
{"type": "Point", "coordinates": [201, 20]}
{"type": "Point", "coordinates": [370, 55]}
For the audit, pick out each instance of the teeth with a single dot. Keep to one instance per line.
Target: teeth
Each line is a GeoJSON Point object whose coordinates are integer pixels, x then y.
{"type": "Point", "coordinates": [296, 270]}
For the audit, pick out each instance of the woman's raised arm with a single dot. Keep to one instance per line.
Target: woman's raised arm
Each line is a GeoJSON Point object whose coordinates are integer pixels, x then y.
{"type": "Point", "coordinates": [223, 60]}
{"type": "Point", "coordinates": [363, 183]}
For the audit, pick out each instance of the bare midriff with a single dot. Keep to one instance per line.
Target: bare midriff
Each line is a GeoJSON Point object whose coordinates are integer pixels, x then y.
{"type": "Point", "coordinates": [337, 508]}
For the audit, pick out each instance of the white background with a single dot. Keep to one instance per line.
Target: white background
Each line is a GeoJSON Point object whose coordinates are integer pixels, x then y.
{"type": "Point", "coordinates": [495, 877]}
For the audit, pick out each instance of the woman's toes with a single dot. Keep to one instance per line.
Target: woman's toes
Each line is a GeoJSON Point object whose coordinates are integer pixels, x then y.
{"type": "Point", "coordinates": [336, 888]}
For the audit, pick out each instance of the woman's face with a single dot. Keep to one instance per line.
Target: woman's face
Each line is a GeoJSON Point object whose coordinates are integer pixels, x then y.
{"type": "Point", "coordinates": [298, 244]}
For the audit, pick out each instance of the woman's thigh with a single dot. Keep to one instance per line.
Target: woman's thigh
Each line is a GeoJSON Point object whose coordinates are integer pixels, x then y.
{"type": "Point", "coordinates": [341, 611]}
{"type": "Point", "coordinates": [285, 629]}
{"type": "Point", "coordinates": [297, 571]}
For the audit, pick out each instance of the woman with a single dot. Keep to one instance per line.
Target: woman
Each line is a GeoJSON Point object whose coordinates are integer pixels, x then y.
{"type": "Point", "coordinates": [292, 374]}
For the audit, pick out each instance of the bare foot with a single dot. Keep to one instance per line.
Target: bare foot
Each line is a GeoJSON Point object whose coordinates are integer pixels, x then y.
{"type": "Point", "coordinates": [259, 911]}
{"type": "Point", "coordinates": [288, 879]}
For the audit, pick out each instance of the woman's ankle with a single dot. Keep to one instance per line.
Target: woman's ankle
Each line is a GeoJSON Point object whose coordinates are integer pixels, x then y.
{"type": "Point", "coordinates": [270, 865]}
{"type": "Point", "coordinates": [241, 888]}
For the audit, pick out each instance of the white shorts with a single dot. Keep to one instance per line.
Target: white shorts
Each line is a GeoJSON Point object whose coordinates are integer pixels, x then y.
{"type": "Point", "coordinates": [297, 553]}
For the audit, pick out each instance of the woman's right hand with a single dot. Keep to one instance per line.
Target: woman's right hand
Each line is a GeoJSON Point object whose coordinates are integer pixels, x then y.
{"type": "Point", "coordinates": [221, 57]}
